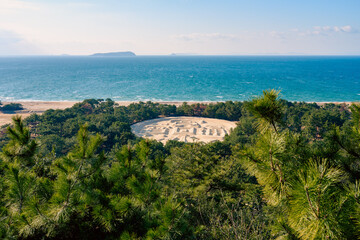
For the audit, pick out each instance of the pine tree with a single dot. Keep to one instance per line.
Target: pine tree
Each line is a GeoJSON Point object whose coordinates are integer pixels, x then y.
{"type": "Point", "coordinates": [75, 188]}
{"type": "Point", "coordinates": [316, 202]}
{"type": "Point", "coordinates": [307, 195]}
{"type": "Point", "coordinates": [18, 176]}
{"type": "Point", "coordinates": [21, 148]}
{"type": "Point", "coordinates": [264, 159]}
{"type": "Point", "coordinates": [137, 200]}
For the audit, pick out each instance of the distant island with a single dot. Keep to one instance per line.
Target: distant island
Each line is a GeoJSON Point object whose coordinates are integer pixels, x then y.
{"type": "Point", "coordinates": [115, 54]}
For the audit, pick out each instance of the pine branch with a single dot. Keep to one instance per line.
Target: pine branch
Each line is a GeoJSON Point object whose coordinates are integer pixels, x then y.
{"type": "Point", "coordinates": [309, 201]}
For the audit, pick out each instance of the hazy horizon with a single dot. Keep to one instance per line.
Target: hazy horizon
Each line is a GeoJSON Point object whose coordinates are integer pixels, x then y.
{"type": "Point", "coordinates": [161, 27]}
{"type": "Point", "coordinates": [192, 55]}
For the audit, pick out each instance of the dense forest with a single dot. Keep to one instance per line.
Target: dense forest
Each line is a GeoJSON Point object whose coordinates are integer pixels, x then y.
{"type": "Point", "coordinates": [289, 170]}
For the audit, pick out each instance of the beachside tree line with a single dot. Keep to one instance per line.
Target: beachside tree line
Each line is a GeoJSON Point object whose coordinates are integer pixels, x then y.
{"type": "Point", "coordinates": [288, 171]}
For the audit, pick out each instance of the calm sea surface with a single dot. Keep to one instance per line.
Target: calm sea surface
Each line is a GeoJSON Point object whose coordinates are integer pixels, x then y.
{"type": "Point", "coordinates": [185, 78]}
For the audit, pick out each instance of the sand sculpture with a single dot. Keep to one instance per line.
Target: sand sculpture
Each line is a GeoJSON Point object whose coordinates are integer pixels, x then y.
{"type": "Point", "coordinates": [186, 129]}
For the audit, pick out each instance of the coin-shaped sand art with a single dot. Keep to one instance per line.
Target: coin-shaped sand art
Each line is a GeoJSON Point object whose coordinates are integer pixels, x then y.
{"type": "Point", "coordinates": [186, 129]}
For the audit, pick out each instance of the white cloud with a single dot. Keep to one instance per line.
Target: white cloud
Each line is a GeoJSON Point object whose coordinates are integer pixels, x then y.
{"type": "Point", "coordinates": [347, 29]}
{"type": "Point", "coordinates": [80, 5]}
{"type": "Point", "coordinates": [277, 34]}
{"type": "Point", "coordinates": [12, 43]}
{"type": "Point", "coordinates": [327, 30]}
{"type": "Point", "coordinates": [206, 36]}
{"type": "Point", "coordinates": [315, 31]}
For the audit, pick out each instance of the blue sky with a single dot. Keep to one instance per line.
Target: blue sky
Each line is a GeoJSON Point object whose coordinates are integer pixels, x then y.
{"type": "Point", "coordinates": [149, 27]}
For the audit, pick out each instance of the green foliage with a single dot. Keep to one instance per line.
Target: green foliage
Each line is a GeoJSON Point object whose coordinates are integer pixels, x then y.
{"type": "Point", "coordinates": [236, 221]}
{"type": "Point", "coordinates": [316, 202]}
{"type": "Point", "coordinates": [243, 133]}
{"type": "Point", "coordinates": [355, 109]}
{"type": "Point", "coordinates": [207, 177]}
{"type": "Point", "coordinates": [85, 189]}
{"type": "Point", "coordinates": [288, 171]}
{"type": "Point", "coordinates": [21, 148]}
{"type": "Point", "coordinates": [265, 162]}
{"type": "Point", "coordinates": [11, 107]}
{"type": "Point", "coordinates": [267, 109]}
{"type": "Point", "coordinates": [224, 110]}
{"type": "Point", "coordinates": [308, 196]}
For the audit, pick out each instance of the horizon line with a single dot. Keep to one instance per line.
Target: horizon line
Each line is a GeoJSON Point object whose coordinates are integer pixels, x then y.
{"type": "Point", "coordinates": [173, 55]}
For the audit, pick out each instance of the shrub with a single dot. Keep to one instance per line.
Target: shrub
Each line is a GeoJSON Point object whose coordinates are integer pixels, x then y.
{"type": "Point", "coordinates": [12, 107]}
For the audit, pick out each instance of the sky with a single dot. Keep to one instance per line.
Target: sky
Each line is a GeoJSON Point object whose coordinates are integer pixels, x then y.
{"type": "Point", "coordinates": [162, 27]}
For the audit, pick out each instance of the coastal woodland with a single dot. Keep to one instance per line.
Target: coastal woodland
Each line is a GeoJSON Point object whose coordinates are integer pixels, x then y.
{"type": "Point", "coordinates": [289, 170]}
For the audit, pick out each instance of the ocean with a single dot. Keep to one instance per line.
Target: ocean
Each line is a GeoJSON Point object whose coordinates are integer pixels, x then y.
{"type": "Point", "coordinates": [179, 78]}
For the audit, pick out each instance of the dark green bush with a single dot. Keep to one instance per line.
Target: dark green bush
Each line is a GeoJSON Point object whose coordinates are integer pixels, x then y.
{"type": "Point", "coordinates": [11, 107]}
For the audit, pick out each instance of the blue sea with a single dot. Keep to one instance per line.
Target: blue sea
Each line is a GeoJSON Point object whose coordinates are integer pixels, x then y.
{"type": "Point", "coordinates": [179, 78]}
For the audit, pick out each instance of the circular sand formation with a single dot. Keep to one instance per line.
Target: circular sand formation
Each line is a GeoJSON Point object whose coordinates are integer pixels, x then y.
{"type": "Point", "coordinates": [185, 129]}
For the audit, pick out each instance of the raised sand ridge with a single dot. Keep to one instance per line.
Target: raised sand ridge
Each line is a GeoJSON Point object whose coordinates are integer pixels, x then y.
{"type": "Point", "coordinates": [186, 129]}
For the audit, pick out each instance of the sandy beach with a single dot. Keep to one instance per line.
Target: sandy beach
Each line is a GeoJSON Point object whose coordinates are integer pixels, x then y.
{"type": "Point", "coordinates": [41, 106]}
{"type": "Point", "coordinates": [33, 107]}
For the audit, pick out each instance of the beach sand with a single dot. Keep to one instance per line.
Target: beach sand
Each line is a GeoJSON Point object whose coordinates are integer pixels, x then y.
{"type": "Point", "coordinates": [185, 129]}
{"type": "Point", "coordinates": [32, 107]}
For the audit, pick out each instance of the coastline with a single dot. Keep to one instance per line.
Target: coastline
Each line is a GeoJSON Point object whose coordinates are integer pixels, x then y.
{"type": "Point", "coordinates": [39, 107]}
